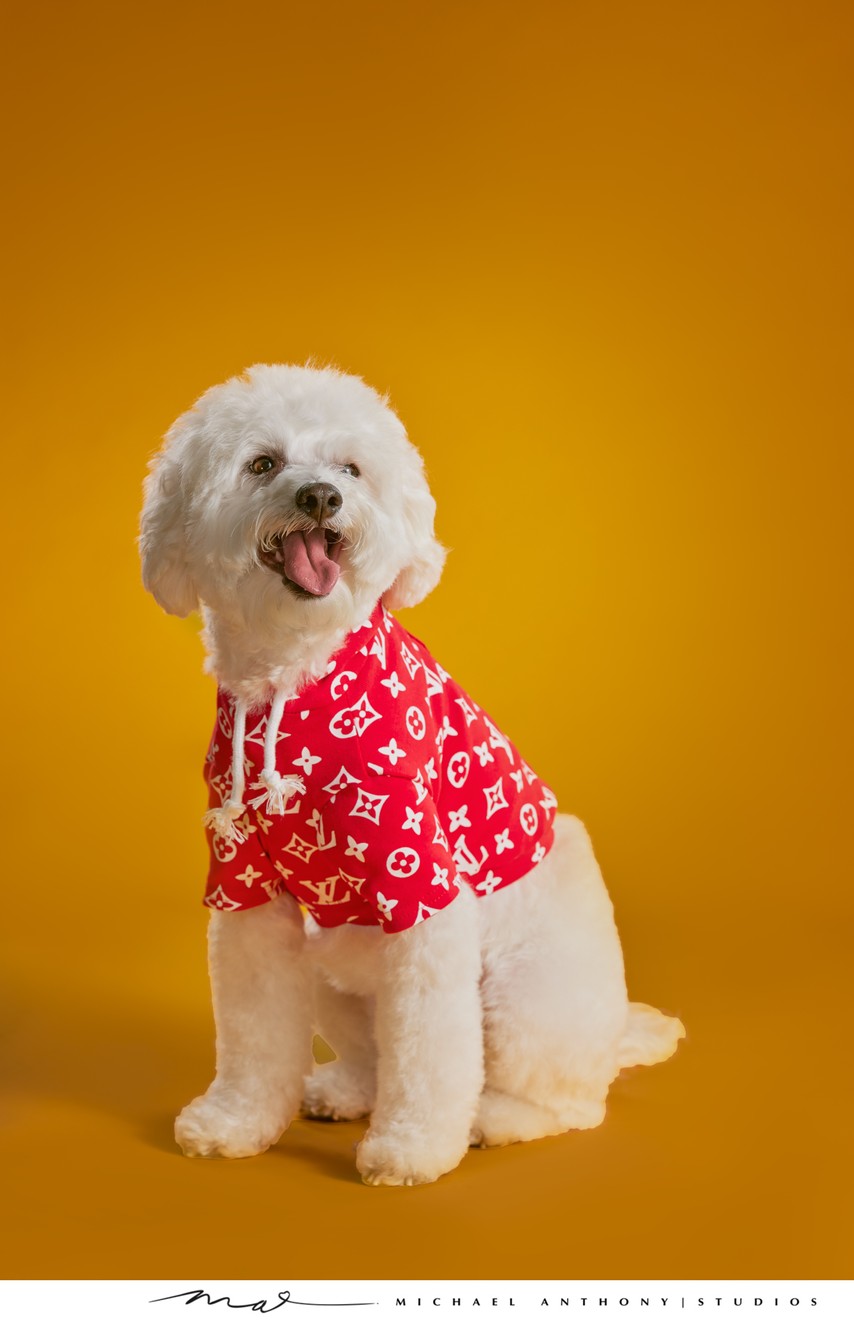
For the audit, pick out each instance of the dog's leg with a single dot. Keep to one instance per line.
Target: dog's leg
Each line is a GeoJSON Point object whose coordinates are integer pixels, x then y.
{"type": "Point", "coordinates": [430, 1044]}
{"type": "Point", "coordinates": [554, 996]}
{"type": "Point", "coordinates": [344, 1089]}
{"type": "Point", "coordinates": [260, 982]}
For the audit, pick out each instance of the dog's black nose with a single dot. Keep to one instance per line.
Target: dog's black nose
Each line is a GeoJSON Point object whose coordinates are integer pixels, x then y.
{"type": "Point", "coordinates": [319, 499]}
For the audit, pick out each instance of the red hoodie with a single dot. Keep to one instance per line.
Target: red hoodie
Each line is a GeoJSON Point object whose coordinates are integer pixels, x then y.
{"type": "Point", "coordinates": [411, 791]}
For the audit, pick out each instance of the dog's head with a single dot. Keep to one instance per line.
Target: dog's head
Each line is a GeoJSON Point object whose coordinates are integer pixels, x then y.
{"type": "Point", "coordinates": [289, 490]}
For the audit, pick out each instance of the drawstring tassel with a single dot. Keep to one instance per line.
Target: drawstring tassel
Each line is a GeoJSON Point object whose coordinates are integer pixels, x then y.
{"type": "Point", "coordinates": [223, 821]}
{"type": "Point", "coordinates": [277, 789]}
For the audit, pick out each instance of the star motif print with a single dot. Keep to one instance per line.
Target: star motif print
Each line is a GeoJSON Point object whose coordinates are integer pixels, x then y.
{"type": "Point", "coordinates": [495, 798]}
{"type": "Point", "coordinates": [440, 877]}
{"type": "Point", "coordinates": [413, 821]}
{"type": "Point", "coordinates": [393, 684]}
{"type": "Point", "coordinates": [355, 849]}
{"type": "Point", "coordinates": [483, 754]}
{"type": "Point", "coordinates": [219, 900]}
{"type": "Point", "coordinates": [368, 805]}
{"type": "Point", "coordinates": [443, 732]}
{"type": "Point", "coordinates": [300, 848]}
{"type": "Point", "coordinates": [393, 752]}
{"type": "Point", "coordinates": [258, 733]}
{"type": "Point", "coordinates": [306, 761]}
{"type": "Point", "coordinates": [386, 906]}
{"type": "Point", "coordinates": [341, 781]}
{"type": "Point", "coordinates": [489, 883]}
{"type": "Point", "coordinates": [249, 875]}
{"type": "Point", "coordinates": [502, 842]}
{"type": "Point", "coordinates": [457, 819]}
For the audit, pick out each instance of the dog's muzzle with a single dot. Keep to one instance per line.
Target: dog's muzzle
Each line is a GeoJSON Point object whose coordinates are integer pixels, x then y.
{"type": "Point", "coordinates": [319, 500]}
{"type": "Point", "coordinates": [307, 558]}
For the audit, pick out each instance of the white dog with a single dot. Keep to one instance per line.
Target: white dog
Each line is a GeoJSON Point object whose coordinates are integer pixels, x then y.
{"type": "Point", "coordinates": [290, 505]}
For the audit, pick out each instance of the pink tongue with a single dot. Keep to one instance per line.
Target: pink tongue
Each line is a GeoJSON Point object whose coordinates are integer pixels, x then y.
{"type": "Point", "coordinates": [307, 564]}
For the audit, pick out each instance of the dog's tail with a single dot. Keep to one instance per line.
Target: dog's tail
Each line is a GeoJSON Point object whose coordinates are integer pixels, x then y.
{"type": "Point", "coordinates": [650, 1037]}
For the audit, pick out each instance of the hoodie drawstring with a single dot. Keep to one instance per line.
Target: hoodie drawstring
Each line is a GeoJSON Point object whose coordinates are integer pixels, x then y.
{"type": "Point", "coordinates": [276, 789]}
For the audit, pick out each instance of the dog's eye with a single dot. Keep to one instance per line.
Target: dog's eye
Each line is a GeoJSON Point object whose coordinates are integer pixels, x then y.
{"type": "Point", "coordinates": [262, 464]}
{"type": "Point", "coordinates": [352, 470]}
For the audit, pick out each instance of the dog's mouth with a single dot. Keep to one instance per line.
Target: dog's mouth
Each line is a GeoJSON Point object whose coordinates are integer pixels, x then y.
{"type": "Point", "coordinates": [306, 559]}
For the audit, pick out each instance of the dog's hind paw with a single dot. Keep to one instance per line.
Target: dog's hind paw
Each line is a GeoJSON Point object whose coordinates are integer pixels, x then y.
{"type": "Point", "coordinates": [224, 1125]}
{"type": "Point", "coordinates": [336, 1092]}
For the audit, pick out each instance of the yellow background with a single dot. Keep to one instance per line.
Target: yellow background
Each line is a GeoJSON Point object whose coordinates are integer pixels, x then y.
{"type": "Point", "coordinates": [600, 255]}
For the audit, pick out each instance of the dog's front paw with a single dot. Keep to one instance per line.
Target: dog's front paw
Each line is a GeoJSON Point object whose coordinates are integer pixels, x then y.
{"type": "Point", "coordinates": [337, 1092]}
{"type": "Point", "coordinates": [404, 1157]}
{"type": "Point", "coordinates": [222, 1124]}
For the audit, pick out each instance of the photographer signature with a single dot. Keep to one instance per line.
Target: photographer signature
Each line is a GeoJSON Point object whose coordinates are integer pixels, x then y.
{"type": "Point", "coordinates": [259, 1305]}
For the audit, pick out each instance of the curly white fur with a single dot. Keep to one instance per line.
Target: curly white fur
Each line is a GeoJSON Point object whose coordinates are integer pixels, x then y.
{"type": "Point", "coordinates": [499, 1019]}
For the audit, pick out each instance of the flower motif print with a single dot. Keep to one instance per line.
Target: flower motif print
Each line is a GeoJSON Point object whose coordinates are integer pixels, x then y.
{"type": "Point", "coordinates": [528, 819]}
{"type": "Point", "coordinates": [352, 721]}
{"type": "Point", "coordinates": [341, 683]}
{"type": "Point", "coordinates": [458, 769]}
{"type": "Point", "coordinates": [415, 722]}
{"type": "Point", "coordinates": [223, 848]}
{"type": "Point", "coordinates": [403, 862]}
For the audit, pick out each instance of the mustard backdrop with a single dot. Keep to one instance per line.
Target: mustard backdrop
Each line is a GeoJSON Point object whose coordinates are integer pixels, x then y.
{"type": "Point", "coordinates": [600, 256]}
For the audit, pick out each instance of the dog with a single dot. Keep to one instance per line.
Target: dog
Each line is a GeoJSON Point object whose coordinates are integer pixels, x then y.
{"type": "Point", "coordinates": [386, 870]}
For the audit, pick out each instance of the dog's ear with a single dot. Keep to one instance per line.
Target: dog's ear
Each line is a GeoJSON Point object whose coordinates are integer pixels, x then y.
{"type": "Point", "coordinates": [423, 569]}
{"type": "Point", "coordinates": [163, 538]}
